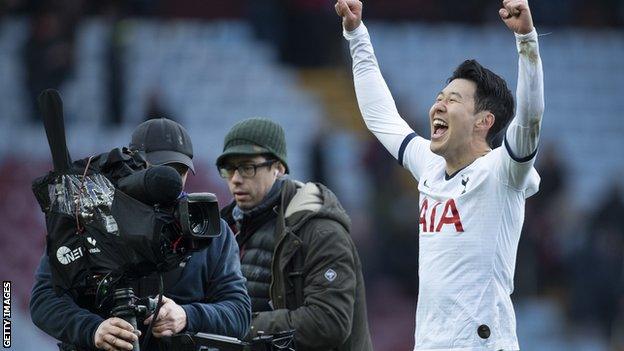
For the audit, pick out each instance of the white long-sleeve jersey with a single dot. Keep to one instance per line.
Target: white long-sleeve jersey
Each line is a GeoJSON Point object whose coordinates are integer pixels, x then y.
{"type": "Point", "coordinates": [470, 222]}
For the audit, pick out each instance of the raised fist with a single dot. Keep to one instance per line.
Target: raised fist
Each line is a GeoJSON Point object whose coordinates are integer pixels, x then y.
{"type": "Point", "coordinates": [517, 16]}
{"type": "Point", "coordinates": [351, 13]}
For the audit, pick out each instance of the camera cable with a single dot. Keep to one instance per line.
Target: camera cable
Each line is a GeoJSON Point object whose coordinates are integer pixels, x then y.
{"type": "Point", "coordinates": [158, 305]}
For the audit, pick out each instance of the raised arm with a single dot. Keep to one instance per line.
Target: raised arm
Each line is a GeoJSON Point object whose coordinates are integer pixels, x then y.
{"type": "Point", "coordinates": [374, 99]}
{"type": "Point", "coordinates": [522, 135]}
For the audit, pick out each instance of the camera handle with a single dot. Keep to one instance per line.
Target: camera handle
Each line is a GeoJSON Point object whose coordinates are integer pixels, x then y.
{"type": "Point", "coordinates": [126, 309]}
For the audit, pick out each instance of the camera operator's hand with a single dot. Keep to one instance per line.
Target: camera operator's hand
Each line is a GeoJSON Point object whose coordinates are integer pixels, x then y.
{"type": "Point", "coordinates": [171, 319]}
{"type": "Point", "coordinates": [115, 334]}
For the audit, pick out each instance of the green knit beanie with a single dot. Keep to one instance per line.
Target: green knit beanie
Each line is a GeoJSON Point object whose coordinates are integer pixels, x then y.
{"type": "Point", "coordinates": [255, 136]}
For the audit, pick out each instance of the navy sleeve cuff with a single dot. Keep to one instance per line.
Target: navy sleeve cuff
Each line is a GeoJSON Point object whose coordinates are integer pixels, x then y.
{"type": "Point", "coordinates": [404, 144]}
{"type": "Point", "coordinates": [519, 159]}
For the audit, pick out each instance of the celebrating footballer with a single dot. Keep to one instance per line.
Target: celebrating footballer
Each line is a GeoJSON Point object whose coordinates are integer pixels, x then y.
{"type": "Point", "coordinates": [474, 174]}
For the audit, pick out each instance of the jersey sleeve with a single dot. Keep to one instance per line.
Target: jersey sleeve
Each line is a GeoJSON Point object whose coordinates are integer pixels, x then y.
{"type": "Point", "coordinates": [522, 135]}
{"type": "Point", "coordinates": [416, 156]}
{"type": "Point", "coordinates": [378, 108]}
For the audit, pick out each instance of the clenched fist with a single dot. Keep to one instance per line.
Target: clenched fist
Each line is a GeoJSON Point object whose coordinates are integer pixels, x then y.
{"type": "Point", "coordinates": [351, 13]}
{"type": "Point", "coordinates": [517, 16]}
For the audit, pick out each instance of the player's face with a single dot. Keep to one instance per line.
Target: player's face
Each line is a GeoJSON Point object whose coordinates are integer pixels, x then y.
{"type": "Point", "coordinates": [452, 118]}
{"type": "Point", "coordinates": [249, 190]}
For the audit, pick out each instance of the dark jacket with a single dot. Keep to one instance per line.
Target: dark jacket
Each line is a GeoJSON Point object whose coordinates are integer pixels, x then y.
{"type": "Point", "coordinates": [210, 289]}
{"type": "Point", "coordinates": [333, 311]}
{"type": "Point", "coordinates": [255, 235]}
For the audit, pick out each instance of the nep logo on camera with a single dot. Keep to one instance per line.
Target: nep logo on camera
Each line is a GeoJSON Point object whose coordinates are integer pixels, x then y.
{"type": "Point", "coordinates": [66, 256]}
{"type": "Point", "coordinates": [6, 314]}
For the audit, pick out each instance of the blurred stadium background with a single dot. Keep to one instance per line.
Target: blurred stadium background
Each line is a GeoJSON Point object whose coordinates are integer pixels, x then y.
{"type": "Point", "coordinates": [210, 63]}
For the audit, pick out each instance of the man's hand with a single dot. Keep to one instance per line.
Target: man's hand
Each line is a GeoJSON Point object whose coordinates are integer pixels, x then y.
{"type": "Point", "coordinates": [351, 13]}
{"type": "Point", "coordinates": [171, 319]}
{"type": "Point", "coordinates": [517, 16]}
{"type": "Point", "coordinates": [115, 334]}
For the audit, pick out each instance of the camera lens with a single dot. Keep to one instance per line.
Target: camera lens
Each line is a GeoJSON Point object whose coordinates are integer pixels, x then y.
{"type": "Point", "coordinates": [198, 219]}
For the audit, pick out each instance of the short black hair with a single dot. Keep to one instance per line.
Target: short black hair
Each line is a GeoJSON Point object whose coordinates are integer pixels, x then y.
{"type": "Point", "coordinates": [492, 95]}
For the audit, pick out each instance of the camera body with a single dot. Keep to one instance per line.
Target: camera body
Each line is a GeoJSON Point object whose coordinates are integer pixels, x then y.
{"type": "Point", "coordinates": [104, 229]}
{"type": "Point", "coordinates": [111, 219]}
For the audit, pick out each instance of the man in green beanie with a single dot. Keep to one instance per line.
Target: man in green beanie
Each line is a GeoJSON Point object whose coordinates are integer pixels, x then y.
{"type": "Point", "coordinates": [303, 270]}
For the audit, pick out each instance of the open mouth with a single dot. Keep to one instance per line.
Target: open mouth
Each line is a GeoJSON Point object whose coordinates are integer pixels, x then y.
{"type": "Point", "coordinates": [439, 128]}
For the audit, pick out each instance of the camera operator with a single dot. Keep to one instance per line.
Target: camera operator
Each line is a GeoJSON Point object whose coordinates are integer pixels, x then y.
{"type": "Point", "coordinates": [205, 294]}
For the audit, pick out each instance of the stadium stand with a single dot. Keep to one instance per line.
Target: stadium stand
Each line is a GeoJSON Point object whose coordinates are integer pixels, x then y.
{"type": "Point", "coordinates": [208, 75]}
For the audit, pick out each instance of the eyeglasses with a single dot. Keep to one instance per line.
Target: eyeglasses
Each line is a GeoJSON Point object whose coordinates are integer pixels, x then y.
{"type": "Point", "coordinates": [246, 170]}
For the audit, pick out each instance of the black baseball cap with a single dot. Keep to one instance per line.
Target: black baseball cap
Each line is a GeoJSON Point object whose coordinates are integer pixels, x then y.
{"type": "Point", "coordinates": [163, 141]}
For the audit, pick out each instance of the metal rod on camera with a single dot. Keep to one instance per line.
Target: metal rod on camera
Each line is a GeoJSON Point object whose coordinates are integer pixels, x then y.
{"type": "Point", "coordinates": [125, 309]}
